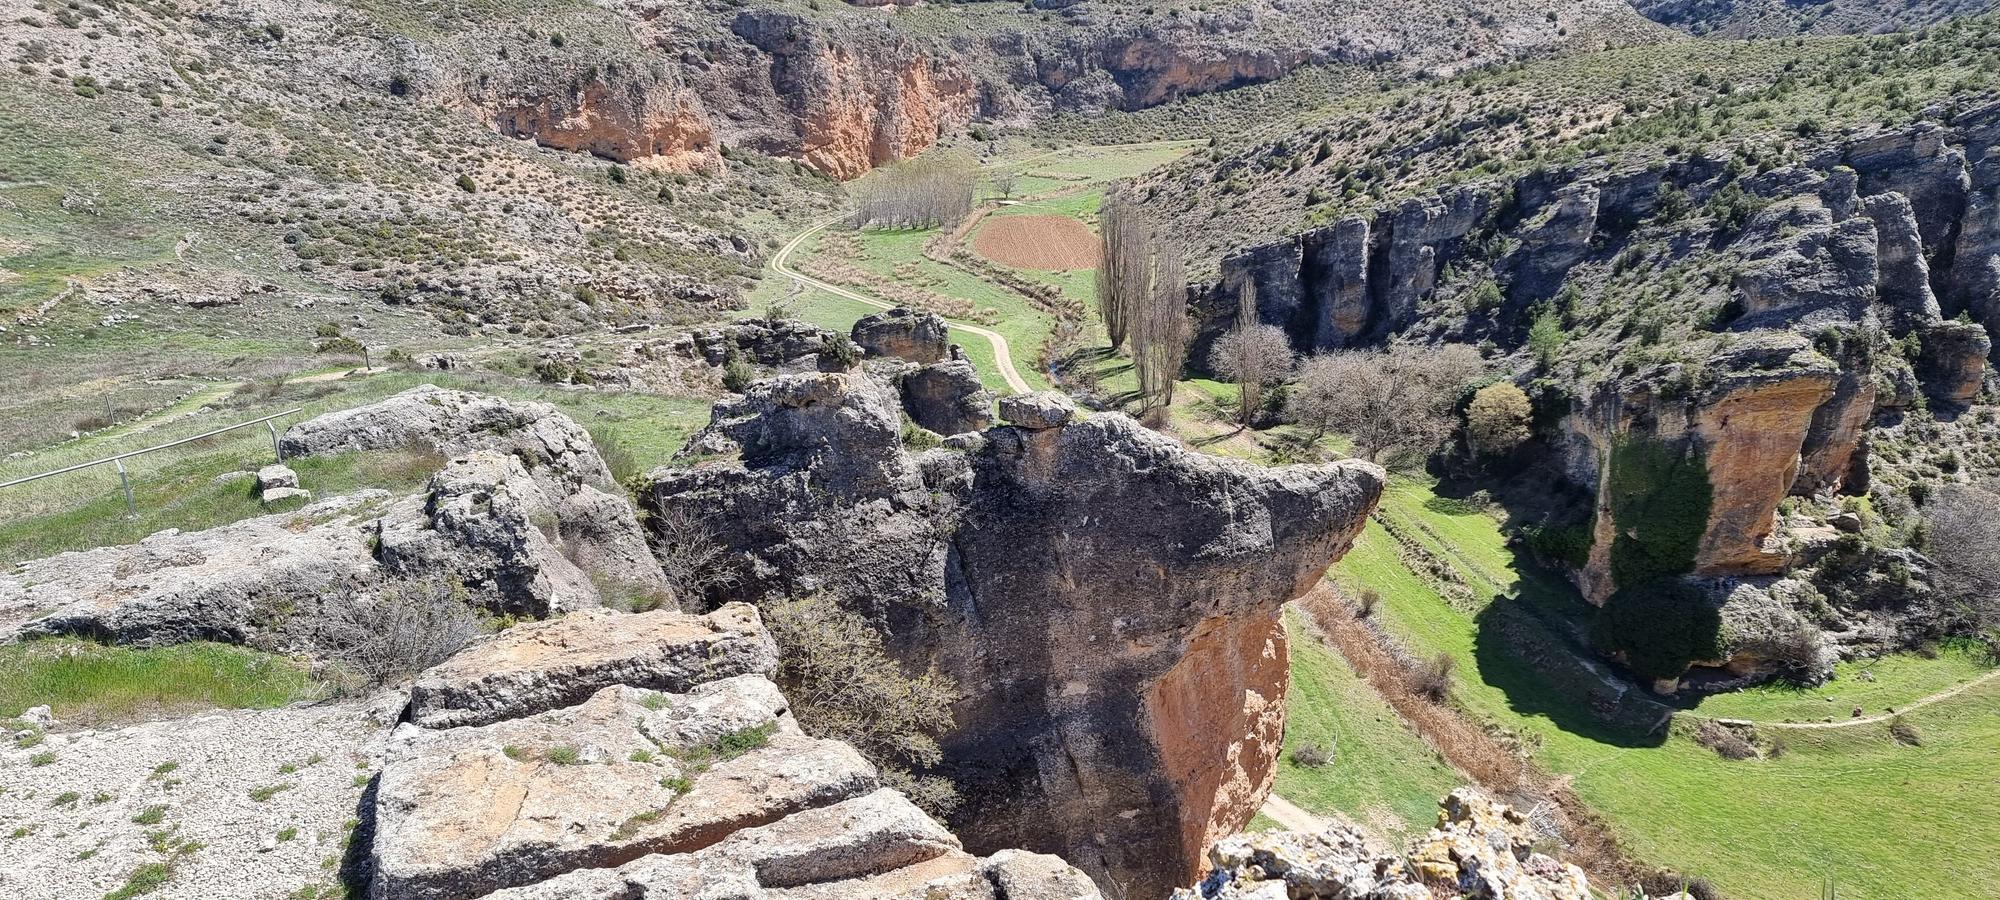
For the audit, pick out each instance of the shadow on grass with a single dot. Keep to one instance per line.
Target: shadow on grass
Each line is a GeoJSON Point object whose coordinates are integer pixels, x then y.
{"type": "Point", "coordinates": [1544, 676]}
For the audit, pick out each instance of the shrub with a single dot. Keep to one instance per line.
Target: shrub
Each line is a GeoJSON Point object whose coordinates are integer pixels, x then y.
{"type": "Point", "coordinates": [838, 354]}
{"type": "Point", "coordinates": [1496, 421]}
{"type": "Point", "coordinates": [1364, 606]}
{"type": "Point", "coordinates": [1432, 680]}
{"type": "Point", "coordinates": [737, 375]}
{"type": "Point", "coordinates": [1724, 741]}
{"type": "Point", "coordinates": [690, 555]}
{"type": "Point", "coordinates": [408, 629]}
{"type": "Point", "coordinates": [843, 684]}
{"type": "Point", "coordinates": [1905, 733]}
{"type": "Point", "coordinates": [466, 184]}
{"type": "Point", "coordinates": [1312, 755]}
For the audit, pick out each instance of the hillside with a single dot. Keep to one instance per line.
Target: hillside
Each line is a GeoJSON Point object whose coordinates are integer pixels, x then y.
{"type": "Point", "coordinates": [1775, 18]}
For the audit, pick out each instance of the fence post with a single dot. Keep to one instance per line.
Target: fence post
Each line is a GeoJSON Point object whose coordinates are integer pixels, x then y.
{"type": "Point", "coordinates": [125, 481]}
{"type": "Point", "coordinates": [276, 449]}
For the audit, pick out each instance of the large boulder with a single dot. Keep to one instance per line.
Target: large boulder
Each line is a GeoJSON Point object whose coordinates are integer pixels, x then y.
{"type": "Point", "coordinates": [919, 337]}
{"type": "Point", "coordinates": [551, 445]}
{"type": "Point", "coordinates": [549, 665]}
{"type": "Point", "coordinates": [947, 397]}
{"type": "Point", "coordinates": [484, 529]}
{"type": "Point", "coordinates": [1011, 566]}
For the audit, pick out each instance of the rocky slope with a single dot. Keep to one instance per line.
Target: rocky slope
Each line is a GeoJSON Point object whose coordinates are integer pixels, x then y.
{"type": "Point", "coordinates": [1105, 600]}
{"type": "Point", "coordinates": [1772, 18]}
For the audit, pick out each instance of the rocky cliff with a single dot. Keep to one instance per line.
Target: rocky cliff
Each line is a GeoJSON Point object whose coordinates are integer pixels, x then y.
{"type": "Point", "coordinates": [1727, 338]}
{"type": "Point", "coordinates": [1105, 600]}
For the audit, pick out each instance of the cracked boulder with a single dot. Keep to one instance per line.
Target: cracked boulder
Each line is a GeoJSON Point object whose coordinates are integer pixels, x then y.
{"type": "Point", "coordinates": [548, 665]}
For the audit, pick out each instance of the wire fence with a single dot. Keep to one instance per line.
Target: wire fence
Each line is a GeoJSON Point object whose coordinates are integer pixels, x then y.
{"type": "Point", "coordinates": [125, 479]}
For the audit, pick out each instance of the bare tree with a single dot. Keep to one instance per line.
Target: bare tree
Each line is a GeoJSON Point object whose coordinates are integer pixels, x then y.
{"type": "Point", "coordinates": [1962, 538]}
{"type": "Point", "coordinates": [690, 556]}
{"type": "Point", "coordinates": [930, 191]}
{"type": "Point", "coordinates": [1161, 333]}
{"type": "Point", "coordinates": [1400, 399]}
{"type": "Point", "coordinates": [1005, 182]}
{"type": "Point", "coordinates": [1121, 267]}
{"type": "Point", "coordinates": [1254, 356]}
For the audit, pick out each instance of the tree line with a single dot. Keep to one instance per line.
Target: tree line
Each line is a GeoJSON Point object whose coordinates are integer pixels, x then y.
{"type": "Point", "coordinates": [930, 191]}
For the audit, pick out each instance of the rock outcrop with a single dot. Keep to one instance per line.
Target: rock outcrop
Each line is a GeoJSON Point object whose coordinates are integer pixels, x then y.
{"type": "Point", "coordinates": [946, 397]}
{"type": "Point", "coordinates": [550, 444]}
{"type": "Point", "coordinates": [609, 755]}
{"type": "Point", "coordinates": [920, 337]}
{"type": "Point", "coordinates": [485, 525]}
{"type": "Point", "coordinates": [1105, 599]}
{"type": "Point", "coordinates": [1480, 850]}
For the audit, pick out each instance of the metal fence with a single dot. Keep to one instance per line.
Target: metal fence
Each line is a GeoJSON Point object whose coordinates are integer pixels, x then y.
{"type": "Point", "coordinates": [125, 480]}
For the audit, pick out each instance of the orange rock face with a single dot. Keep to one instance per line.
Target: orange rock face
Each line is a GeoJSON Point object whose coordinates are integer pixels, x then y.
{"type": "Point", "coordinates": [1231, 682]}
{"type": "Point", "coordinates": [861, 120]}
{"type": "Point", "coordinates": [649, 126]}
{"type": "Point", "coordinates": [1753, 436]}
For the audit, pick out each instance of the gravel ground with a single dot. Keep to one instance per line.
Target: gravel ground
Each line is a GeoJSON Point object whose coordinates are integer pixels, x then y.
{"type": "Point", "coordinates": [208, 797]}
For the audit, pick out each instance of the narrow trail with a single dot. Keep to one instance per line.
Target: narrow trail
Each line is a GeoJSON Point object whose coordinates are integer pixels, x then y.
{"type": "Point", "coordinates": [1938, 697]}
{"type": "Point", "coordinates": [1292, 816]}
{"type": "Point", "coordinates": [1003, 355]}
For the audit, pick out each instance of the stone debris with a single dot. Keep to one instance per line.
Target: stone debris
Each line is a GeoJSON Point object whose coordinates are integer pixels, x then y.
{"type": "Point", "coordinates": [452, 423]}
{"type": "Point", "coordinates": [1480, 850]}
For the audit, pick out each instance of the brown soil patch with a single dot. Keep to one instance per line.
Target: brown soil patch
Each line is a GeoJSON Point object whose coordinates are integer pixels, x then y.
{"type": "Point", "coordinates": [1036, 242]}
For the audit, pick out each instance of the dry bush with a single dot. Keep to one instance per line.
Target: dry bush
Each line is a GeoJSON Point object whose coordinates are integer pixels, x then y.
{"type": "Point", "coordinates": [1724, 741]}
{"type": "Point", "coordinates": [1962, 536]}
{"type": "Point", "coordinates": [1254, 357]}
{"type": "Point", "coordinates": [406, 629]}
{"type": "Point", "coordinates": [1432, 680]}
{"type": "Point", "coordinates": [689, 554]}
{"type": "Point", "coordinates": [1312, 755]}
{"type": "Point", "coordinates": [843, 684]}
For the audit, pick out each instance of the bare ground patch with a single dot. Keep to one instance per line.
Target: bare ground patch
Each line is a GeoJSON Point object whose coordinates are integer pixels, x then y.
{"type": "Point", "coordinates": [1036, 242]}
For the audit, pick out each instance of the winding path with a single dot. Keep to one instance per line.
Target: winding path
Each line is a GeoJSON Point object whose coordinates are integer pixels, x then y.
{"type": "Point", "coordinates": [1938, 697]}
{"type": "Point", "coordinates": [1002, 354]}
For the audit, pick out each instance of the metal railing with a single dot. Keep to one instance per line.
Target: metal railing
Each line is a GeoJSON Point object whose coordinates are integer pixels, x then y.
{"type": "Point", "coordinates": [125, 480]}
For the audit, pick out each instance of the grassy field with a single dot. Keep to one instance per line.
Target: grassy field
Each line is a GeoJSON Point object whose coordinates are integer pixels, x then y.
{"type": "Point", "coordinates": [86, 683]}
{"type": "Point", "coordinates": [1382, 775]}
{"type": "Point", "coordinates": [1882, 819]}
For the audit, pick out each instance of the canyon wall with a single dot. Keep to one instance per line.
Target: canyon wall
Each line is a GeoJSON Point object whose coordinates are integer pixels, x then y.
{"type": "Point", "coordinates": [1105, 600]}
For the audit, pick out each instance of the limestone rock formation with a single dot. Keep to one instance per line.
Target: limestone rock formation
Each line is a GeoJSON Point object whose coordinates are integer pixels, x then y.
{"type": "Point", "coordinates": [947, 397]}
{"type": "Point", "coordinates": [484, 524]}
{"type": "Point", "coordinates": [663, 765]}
{"type": "Point", "coordinates": [920, 337]}
{"type": "Point", "coordinates": [550, 444]}
{"type": "Point", "coordinates": [1105, 599]}
{"type": "Point", "coordinates": [1480, 850]}
{"type": "Point", "coordinates": [548, 665]}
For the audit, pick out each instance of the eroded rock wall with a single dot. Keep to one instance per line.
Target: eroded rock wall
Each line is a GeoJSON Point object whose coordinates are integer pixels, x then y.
{"type": "Point", "coordinates": [1105, 599]}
